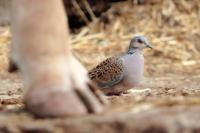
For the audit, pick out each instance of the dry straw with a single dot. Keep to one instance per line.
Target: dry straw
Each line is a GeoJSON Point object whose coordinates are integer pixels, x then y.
{"type": "Point", "coordinates": [173, 28]}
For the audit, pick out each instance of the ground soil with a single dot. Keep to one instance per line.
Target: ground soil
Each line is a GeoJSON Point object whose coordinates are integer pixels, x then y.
{"type": "Point", "coordinates": [166, 102]}
{"type": "Point", "coordinates": [161, 104]}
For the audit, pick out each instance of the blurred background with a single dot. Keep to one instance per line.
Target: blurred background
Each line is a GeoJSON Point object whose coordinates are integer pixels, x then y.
{"type": "Point", "coordinates": [103, 28]}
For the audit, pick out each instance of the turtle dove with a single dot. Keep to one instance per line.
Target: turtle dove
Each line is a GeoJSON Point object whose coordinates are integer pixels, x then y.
{"type": "Point", "coordinates": [120, 73]}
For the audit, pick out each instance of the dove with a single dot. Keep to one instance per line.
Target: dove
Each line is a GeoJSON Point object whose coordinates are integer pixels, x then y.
{"type": "Point", "coordinates": [120, 73]}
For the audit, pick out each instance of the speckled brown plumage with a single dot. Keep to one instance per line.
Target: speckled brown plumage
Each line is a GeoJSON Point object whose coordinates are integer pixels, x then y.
{"type": "Point", "coordinates": [120, 73]}
{"type": "Point", "coordinates": [108, 72]}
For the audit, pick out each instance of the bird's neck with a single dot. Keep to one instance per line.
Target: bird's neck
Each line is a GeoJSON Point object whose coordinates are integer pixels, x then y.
{"type": "Point", "coordinates": [133, 50]}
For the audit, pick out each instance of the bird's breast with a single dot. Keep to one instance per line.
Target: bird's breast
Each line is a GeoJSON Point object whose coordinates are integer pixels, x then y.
{"type": "Point", "coordinates": [133, 68]}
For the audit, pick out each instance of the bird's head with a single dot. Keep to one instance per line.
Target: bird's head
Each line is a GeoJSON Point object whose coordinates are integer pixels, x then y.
{"type": "Point", "coordinates": [139, 42]}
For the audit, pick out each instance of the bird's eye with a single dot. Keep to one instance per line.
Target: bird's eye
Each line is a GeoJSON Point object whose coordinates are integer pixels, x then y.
{"type": "Point", "coordinates": [140, 41]}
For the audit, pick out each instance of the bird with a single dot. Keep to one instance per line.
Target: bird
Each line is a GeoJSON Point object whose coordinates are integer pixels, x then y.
{"type": "Point", "coordinates": [115, 75]}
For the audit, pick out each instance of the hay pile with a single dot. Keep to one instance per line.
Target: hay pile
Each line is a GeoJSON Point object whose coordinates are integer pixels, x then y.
{"type": "Point", "coordinates": [4, 40]}
{"type": "Point", "coordinates": [171, 26]}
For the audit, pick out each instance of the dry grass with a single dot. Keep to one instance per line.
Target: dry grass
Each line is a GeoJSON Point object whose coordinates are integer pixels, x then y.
{"type": "Point", "coordinates": [171, 26]}
{"type": "Point", "coordinates": [4, 41]}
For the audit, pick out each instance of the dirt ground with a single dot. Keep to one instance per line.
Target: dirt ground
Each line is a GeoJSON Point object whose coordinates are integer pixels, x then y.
{"type": "Point", "coordinates": [160, 105]}
{"type": "Point", "coordinates": [168, 101]}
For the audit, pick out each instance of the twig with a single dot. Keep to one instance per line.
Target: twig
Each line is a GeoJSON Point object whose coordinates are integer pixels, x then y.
{"type": "Point", "coordinates": [89, 37]}
{"type": "Point", "coordinates": [89, 10]}
{"type": "Point", "coordinates": [81, 13]}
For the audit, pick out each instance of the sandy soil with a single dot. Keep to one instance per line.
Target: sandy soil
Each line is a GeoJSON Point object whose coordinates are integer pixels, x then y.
{"type": "Point", "coordinates": [168, 100]}
{"type": "Point", "coordinates": [161, 104]}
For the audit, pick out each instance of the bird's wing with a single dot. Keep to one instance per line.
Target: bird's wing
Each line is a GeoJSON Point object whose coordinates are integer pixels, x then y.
{"type": "Point", "coordinates": [108, 73]}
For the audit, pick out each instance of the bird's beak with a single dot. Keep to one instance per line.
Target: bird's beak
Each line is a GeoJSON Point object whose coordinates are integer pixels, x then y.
{"type": "Point", "coordinates": [149, 46]}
